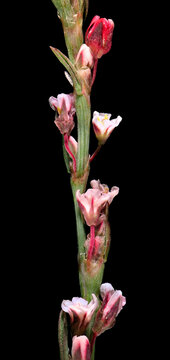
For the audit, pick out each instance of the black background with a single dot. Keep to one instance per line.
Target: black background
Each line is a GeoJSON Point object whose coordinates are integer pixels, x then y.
{"type": "Point", "coordinates": [44, 254]}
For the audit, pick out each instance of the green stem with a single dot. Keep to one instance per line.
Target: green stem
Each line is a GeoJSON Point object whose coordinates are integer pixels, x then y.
{"type": "Point", "coordinates": [83, 112]}
{"type": "Point", "coordinates": [79, 184]}
{"type": "Point", "coordinates": [76, 185]}
{"type": "Point", "coordinates": [93, 353]}
{"type": "Point", "coordinates": [73, 37]}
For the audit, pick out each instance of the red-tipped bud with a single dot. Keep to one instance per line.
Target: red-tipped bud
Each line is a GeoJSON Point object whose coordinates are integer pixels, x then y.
{"type": "Point", "coordinates": [81, 348]}
{"type": "Point", "coordinates": [99, 36]}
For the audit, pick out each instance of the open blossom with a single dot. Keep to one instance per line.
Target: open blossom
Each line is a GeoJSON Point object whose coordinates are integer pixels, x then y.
{"type": "Point", "coordinates": [93, 201]}
{"type": "Point", "coordinates": [103, 126]}
{"type": "Point", "coordinates": [64, 105]}
{"type": "Point", "coordinates": [113, 302]}
{"type": "Point", "coordinates": [80, 312]}
{"type": "Point", "coordinates": [99, 36]}
{"type": "Point", "coordinates": [80, 348]}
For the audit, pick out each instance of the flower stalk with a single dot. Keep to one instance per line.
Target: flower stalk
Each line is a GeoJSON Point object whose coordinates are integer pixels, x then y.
{"type": "Point", "coordinates": [89, 317]}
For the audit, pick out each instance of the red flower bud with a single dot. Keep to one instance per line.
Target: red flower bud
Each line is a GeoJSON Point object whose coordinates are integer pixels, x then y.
{"type": "Point", "coordinates": [81, 348]}
{"type": "Point", "coordinates": [99, 36]}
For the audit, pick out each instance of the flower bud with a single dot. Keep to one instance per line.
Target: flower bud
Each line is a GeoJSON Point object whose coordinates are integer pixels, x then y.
{"type": "Point", "coordinates": [84, 57]}
{"type": "Point", "coordinates": [99, 36]}
{"type": "Point", "coordinates": [80, 312]}
{"type": "Point", "coordinates": [112, 304]}
{"type": "Point", "coordinates": [80, 348]}
{"type": "Point", "coordinates": [103, 126]}
{"type": "Point", "coordinates": [73, 145]}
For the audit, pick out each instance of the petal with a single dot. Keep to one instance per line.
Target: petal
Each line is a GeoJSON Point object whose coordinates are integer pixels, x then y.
{"type": "Point", "coordinates": [116, 121]}
{"type": "Point", "coordinates": [115, 304]}
{"type": "Point", "coordinates": [53, 103]}
{"type": "Point", "coordinates": [82, 202]}
{"type": "Point", "coordinates": [95, 184]}
{"type": "Point", "coordinates": [93, 303]}
{"type": "Point", "coordinates": [72, 145]}
{"type": "Point", "coordinates": [106, 288]}
{"type": "Point", "coordinates": [65, 305]}
{"type": "Point", "coordinates": [79, 300]}
{"type": "Point", "coordinates": [114, 191]}
{"type": "Point", "coordinates": [113, 123]}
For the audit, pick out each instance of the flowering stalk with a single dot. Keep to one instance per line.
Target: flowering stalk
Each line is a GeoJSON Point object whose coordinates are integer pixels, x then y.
{"type": "Point", "coordinates": [88, 316]}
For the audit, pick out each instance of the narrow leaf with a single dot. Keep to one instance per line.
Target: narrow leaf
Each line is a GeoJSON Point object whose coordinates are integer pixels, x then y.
{"type": "Point", "coordinates": [69, 67]}
{"type": "Point", "coordinates": [63, 336]}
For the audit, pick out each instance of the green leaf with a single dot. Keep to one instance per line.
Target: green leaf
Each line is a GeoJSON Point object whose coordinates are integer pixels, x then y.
{"type": "Point", "coordinates": [69, 67]}
{"type": "Point", "coordinates": [63, 336]}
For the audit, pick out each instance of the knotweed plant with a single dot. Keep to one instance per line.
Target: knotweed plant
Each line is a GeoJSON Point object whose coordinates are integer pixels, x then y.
{"type": "Point", "coordinates": [84, 318]}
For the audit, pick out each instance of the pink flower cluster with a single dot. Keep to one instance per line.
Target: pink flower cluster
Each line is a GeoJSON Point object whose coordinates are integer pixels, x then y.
{"type": "Point", "coordinates": [81, 314]}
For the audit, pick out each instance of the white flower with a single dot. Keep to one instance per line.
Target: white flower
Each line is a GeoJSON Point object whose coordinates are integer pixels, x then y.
{"type": "Point", "coordinates": [103, 126]}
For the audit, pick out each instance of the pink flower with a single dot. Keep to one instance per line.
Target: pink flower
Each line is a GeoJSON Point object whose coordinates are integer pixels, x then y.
{"type": "Point", "coordinates": [93, 201]}
{"type": "Point", "coordinates": [112, 304]}
{"type": "Point", "coordinates": [103, 126]}
{"type": "Point", "coordinates": [80, 312]}
{"type": "Point", "coordinates": [64, 105]}
{"type": "Point", "coordinates": [99, 36]}
{"type": "Point", "coordinates": [80, 348]}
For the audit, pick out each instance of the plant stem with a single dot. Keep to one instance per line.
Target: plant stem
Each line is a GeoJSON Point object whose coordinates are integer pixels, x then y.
{"type": "Point", "coordinates": [93, 343]}
{"type": "Point", "coordinates": [81, 234]}
{"type": "Point", "coordinates": [95, 153]}
{"type": "Point", "coordinates": [83, 112]}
